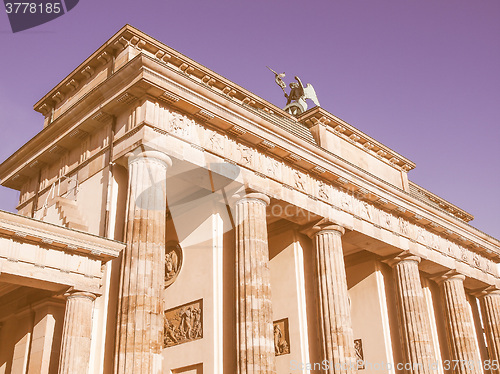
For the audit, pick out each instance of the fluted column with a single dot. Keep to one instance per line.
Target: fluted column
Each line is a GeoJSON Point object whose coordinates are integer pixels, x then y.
{"type": "Point", "coordinates": [459, 325]}
{"type": "Point", "coordinates": [336, 334]}
{"type": "Point", "coordinates": [140, 319]}
{"type": "Point", "coordinates": [254, 310]}
{"type": "Point", "coordinates": [413, 317]}
{"type": "Point", "coordinates": [490, 308]}
{"type": "Point", "coordinates": [77, 331]}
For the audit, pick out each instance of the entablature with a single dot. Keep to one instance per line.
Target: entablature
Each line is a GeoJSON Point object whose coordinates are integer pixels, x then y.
{"type": "Point", "coordinates": [55, 257]}
{"type": "Point", "coordinates": [34, 231]}
{"type": "Point", "coordinates": [161, 86]}
{"type": "Point", "coordinates": [163, 77]}
{"type": "Point", "coordinates": [319, 116]}
{"type": "Point", "coordinates": [140, 43]}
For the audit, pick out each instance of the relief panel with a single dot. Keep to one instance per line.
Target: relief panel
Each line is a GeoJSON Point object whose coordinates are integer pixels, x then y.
{"type": "Point", "coordinates": [360, 356]}
{"type": "Point", "coordinates": [183, 323]}
{"type": "Point", "coordinates": [281, 337]}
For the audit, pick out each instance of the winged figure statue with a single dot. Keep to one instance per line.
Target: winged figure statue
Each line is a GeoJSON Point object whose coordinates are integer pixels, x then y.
{"type": "Point", "coordinates": [296, 99]}
{"type": "Point", "coordinates": [278, 78]}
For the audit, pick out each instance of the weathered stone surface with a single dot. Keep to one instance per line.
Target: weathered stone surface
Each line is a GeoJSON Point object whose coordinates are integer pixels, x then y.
{"type": "Point", "coordinates": [254, 310]}
{"type": "Point", "coordinates": [459, 325]}
{"type": "Point", "coordinates": [336, 335]}
{"type": "Point", "coordinates": [413, 319]}
{"type": "Point", "coordinates": [77, 332]}
{"type": "Point", "coordinates": [490, 307]}
{"type": "Point", "coordinates": [140, 319]}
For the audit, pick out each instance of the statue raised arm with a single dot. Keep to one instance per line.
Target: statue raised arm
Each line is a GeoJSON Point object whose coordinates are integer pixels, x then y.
{"type": "Point", "coordinates": [296, 99]}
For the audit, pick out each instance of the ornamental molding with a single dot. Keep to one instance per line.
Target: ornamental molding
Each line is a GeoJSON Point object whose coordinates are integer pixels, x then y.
{"type": "Point", "coordinates": [129, 36]}
{"type": "Point", "coordinates": [358, 202]}
{"type": "Point", "coordinates": [56, 237]}
{"type": "Point", "coordinates": [342, 129]}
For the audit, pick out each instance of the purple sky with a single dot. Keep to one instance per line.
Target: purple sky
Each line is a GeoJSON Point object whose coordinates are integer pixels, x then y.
{"type": "Point", "coordinates": [422, 77]}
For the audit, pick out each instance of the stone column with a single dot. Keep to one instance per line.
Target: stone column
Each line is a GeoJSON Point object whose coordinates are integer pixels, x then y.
{"type": "Point", "coordinates": [253, 289]}
{"type": "Point", "coordinates": [459, 325]}
{"type": "Point", "coordinates": [140, 316]}
{"type": "Point", "coordinates": [77, 332]}
{"type": "Point", "coordinates": [49, 321]}
{"type": "Point", "coordinates": [490, 308]}
{"type": "Point", "coordinates": [336, 335]}
{"type": "Point", "coordinates": [414, 323]}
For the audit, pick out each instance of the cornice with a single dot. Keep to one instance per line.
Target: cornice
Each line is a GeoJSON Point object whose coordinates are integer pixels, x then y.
{"type": "Point", "coordinates": [265, 131]}
{"type": "Point", "coordinates": [421, 193]}
{"type": "Point", "coordinates": [247, 108]}
{"type": "Point", "coordinates": [129, 36]}
{"type": "Point", "coordinates": [68, 127]}
{"type": "Point", "coordinates": [26, 229]}
{"type": "Point", "coordinates": [342, 129]}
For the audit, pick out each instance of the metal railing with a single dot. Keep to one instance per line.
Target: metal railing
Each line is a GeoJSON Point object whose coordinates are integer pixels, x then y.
{"type": "Point", "coordinates": [56, 186]}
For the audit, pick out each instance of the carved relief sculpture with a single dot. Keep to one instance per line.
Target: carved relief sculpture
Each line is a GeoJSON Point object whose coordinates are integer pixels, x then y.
{"type": "Point", "coordinates": [323, 191]}
{"type": "Point", "coordinates": [299, 180]}
{"type": "Point", "coordinates": [365, 210]}
{"type": "Point", "coordinates": [173, 262]}
{"type": "Point", "coordinates": [404, 226]}
{"type": "Point", "coordinates": [346, 202]}
{"type": "Point", "coordinates": [183, 323]}
{"type": "Point", "coordinates": [245, 154]}
{"type": "Point", "coordinates": [360, 357]}
{"type": "Point", "coordinates": [281, 337]}
{"type": "Point", "coordinates": [216, 143]}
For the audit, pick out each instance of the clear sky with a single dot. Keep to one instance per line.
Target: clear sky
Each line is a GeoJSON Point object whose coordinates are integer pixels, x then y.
{"type": "Point", "coordinates": [421, 77]}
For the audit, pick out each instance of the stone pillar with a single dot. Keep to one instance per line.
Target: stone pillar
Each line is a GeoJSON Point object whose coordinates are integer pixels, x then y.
{"type": "Point", "coordinates": [77, 332]}
{"type": "Point", "coordinates": [414, 323]}
{"type": "Point", "coordinates": [139, 340]}
{"type": "Point", "coordinates": [253, 289]}
{"type": "Point", "coordinates": [459, 325]}
{"type": "Point", "coordinates": [49, 319]}
{"type": "Point", "coordinates": [490, 308]}
{"type": "Point", "coordinates": [336, 335]}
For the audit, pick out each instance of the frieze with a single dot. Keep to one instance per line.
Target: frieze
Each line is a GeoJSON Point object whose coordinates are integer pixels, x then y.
{"type": "Point", "coordinates": [365, 210]}
{"type": "Point", "coordinates": [183, 324]}
{"type": "Point", "coordinates": [257, 160]}
{"type": "Point", "coordinates": [281, 337]}
{"type": "Point", "coordinates": [299, 180]}
{"type": "Point", "coordinates": [245, 154]}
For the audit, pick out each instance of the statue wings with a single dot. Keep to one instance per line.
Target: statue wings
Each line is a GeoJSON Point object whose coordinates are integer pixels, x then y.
{"type": "Point", "coordinates": [310, 93]}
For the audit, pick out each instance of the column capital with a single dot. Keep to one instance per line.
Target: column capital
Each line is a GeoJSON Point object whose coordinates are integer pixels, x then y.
{"type": "Point", "coordinates": [71, 294]}
{"type": "Point", "coordinates": [450, 275]}
{"type": "Point", "coordinates": [324, 225]}
{"type": "Point", "coordinates": [248, 194]}
{"type": "Point", "coordinates": [393, 260]}
{"type": "Point", "coordinates": [486, 291]}
{"type": "Point", "coordinates": [150, 155]}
